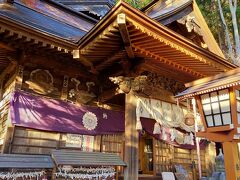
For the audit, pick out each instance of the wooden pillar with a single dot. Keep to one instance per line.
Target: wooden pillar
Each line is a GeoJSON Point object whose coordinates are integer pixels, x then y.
{"type": "Point", "coordinates": [231, 160]}
{"type": "Point", "coordinates": [19, 78]}
{"type": "Point", "coordinates": [131, 138]}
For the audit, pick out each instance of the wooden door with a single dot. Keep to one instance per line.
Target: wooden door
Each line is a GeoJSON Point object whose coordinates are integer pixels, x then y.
{"type": "Point", "coordinates": [146, 155]}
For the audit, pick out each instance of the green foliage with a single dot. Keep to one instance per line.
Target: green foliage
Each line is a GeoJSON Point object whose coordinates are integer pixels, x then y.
{"type": "Point", "coordinates": [210, 11]}
{"type": "Point", "coordinates": [211, 15]}
{"type": "Point", "coordinates": [238, 14]}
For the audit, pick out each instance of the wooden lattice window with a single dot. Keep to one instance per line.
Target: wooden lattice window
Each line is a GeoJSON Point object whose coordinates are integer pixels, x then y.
{"type": "Point", "coordinates": [3, 127]}
{"type": "Point", "coordinates": [163, 156]}
{"type": "Point", "coordinates": [112, 144]}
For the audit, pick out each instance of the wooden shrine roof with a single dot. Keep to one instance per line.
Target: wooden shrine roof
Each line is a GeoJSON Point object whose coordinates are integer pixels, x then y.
{"type": "Point", "coordinates": [209, 84]}
{"type": "Point", "coordinates": [77, 158]}
{"type": "Point", "coordinates": [176, 9]}
{"type": "Point", "coordinates": [25, 16]}
{"type": "Point", "coordinates": [43, 26]}
{"type": "Point", "coordinates": [183, 11]}
{"type": "Point", "coordinates": [25, 161]}
{"type": "Point", "coordinates": [128, 33]}
{"type": "Point", "coordinates": [95, 7]}
{"type": "Point", "coordinates": [124, 33]}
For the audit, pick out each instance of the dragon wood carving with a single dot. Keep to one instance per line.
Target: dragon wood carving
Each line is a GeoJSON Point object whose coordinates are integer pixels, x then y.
{"type": "Point", "coordinates": [147, 84]}
{"type": "Point", "coordinates": [126, 84]}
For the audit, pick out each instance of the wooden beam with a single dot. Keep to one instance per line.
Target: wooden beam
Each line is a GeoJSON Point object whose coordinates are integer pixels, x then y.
{"type": "Point", "coordinates": [62, 68]}
{"type": "Point", "coordinates": [12, 65]}
{"type": "Point", "coordinates": [8, 69]}
{"type": "Point", "coordinates": [121, 20]}
{"type": "Point", "coordinates": [5, 46]}
{"type": "Point", "coordinates": [218, 76]}
{"type": "Point", "coordinates": [110, 60]}
{"type": "Point", "coordinates": [79, 57]}
{"type": "Point", "coordinates": [109, 94]}
{"type": "Point", "coordinates": [216, 137]}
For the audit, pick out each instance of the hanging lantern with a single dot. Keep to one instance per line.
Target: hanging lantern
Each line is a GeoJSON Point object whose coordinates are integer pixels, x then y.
{"type": "Point", "coordinates": [157, 128]}
{"type": "Point", "coordinates": [189, 119]}
{"type": "Point", "coordinates": [218, 101]}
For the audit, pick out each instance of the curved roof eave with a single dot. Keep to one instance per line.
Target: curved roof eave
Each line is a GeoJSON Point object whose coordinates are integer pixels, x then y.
{"type": "Point", "coordinates": [161, 13]}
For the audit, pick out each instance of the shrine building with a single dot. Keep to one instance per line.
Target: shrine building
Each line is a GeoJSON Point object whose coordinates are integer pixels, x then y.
{"type": "Point", "coordinates": [92, 83]}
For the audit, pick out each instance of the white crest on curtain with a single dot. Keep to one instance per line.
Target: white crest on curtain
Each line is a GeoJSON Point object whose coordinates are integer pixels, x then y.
{"type": "Point", "coordinates": [89, 121]}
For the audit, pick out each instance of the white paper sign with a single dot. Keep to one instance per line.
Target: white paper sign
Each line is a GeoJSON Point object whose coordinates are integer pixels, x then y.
{"type": "Point", "coordinates": [74, 140]}
{"type": "Point", "coordinates": [88, 143]}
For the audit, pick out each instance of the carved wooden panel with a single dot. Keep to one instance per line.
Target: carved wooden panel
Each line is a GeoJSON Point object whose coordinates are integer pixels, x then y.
{"type": "Point", "coordinates": [64, 94]}
{"type": "Point", "coordinates": [42, 81]}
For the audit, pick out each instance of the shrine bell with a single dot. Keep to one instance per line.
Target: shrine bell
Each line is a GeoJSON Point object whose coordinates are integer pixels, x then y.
{"type": "Point", "coordinates": [218, 102]}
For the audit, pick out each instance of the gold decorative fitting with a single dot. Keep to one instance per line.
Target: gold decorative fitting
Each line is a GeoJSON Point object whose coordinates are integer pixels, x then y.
{"type": "Point", "coordinates": [189, 119]}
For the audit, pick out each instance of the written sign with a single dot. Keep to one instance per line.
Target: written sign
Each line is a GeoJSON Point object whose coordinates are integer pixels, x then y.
{"type": "Point", "coordinates": [88, 143]}
{"type": "Point", "coordinates": [74, 140]}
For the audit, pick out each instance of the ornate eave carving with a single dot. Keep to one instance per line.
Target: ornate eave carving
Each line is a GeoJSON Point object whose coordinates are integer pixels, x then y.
{"type": "Point", "coordinates": [147, 84]}
{"type": "Point", "coordinates": [126, 84]}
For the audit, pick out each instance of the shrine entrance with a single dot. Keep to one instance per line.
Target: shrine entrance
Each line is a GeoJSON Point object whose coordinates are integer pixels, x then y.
{"type": "Point", "coordinates": [146, 154]}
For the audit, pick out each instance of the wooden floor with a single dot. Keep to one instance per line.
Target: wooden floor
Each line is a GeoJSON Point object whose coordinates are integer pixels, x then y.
{"type": "Point", "coordinates": [150, 177]}
{"type": "Point", "coordinates": [146, 177]}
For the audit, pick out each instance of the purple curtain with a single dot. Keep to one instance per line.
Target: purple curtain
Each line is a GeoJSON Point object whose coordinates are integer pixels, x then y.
{"type": "Point", "coordinates": [47, 114]}
{"type": "Point", "coordinates": [37, 112]}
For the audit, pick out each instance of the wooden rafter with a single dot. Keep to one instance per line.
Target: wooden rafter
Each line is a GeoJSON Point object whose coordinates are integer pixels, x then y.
{"type": "Point", "coordinates": [150, 66]}
{"type": "Point", "coordinates": [12, 32]}
{"type": "Point", "coordinates": [166, 61]}
{"type": "Point", "coordinates": [121, 20]}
